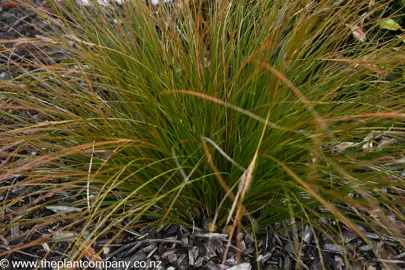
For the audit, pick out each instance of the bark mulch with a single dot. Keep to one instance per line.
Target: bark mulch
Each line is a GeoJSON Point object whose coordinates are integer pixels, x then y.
{"type": "Point", "coordinates": [175, 246]}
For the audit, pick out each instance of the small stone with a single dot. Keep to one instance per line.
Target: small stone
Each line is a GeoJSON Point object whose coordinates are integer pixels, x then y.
{"type": "Point", "coordinates": [4, 75]}
{"type": "Point", "coordinates": [172, 258]}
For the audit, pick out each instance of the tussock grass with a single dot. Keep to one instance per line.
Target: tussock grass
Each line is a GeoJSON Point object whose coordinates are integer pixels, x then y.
{"type": "Point", "coordinates": [230, 110]}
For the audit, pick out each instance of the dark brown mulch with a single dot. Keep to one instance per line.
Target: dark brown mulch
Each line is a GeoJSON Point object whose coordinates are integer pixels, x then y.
{"type": "Point", "coordinates": [17, 25]}
{"type": "Point", "coordinates": [16, 21]}
{"type": "Point", "coordinates": [175, 246]}
{"type": "Point", "coordinates": [181, 247]}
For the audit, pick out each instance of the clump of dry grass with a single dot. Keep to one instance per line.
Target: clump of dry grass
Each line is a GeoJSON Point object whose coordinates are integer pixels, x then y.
{"type": "Point", "coordinates": [234, 111]}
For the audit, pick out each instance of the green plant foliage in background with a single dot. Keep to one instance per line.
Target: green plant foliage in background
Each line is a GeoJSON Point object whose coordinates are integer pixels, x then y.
{"type": "Point", "coordinates": [171, 112]}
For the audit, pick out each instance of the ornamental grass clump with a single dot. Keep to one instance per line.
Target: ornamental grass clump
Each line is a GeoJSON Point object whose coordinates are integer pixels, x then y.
{"type": "Point", "coordinates": [243, 113]}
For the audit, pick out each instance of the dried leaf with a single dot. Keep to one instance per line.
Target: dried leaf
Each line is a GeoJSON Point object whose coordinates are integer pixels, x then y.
{"type": "Point", "coordinates": [62, 235]}
{"type": "Point", "coordinates": [61, 208]}
{"type": "Point", "coordinates": [386, 141]}
{"type": "Point", "coordinates": [15, 231]}
{"type": "Point", "coordinates": [358, 33]}
{"type": "Point", "coordinates": [390, 24]}
{"type": "Point", "coordinates": [343, 146]}
{"type": "Point", "coordinates": [88, 252]}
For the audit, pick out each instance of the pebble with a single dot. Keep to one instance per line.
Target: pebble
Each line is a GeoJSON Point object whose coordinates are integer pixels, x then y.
{"type": "Point", "coordinates": [172, 258]}
{"type": "Point", "coordinates": [5, 75]}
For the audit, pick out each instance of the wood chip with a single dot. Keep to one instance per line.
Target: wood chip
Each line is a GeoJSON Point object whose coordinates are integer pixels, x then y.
{"type": "Point", "coordinates": [241, 266]}
{"type": "Point", "coordinates": [221, 236]}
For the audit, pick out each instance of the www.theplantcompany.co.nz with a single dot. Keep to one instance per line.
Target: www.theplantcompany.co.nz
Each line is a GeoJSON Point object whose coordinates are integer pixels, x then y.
{"type": "Point", "coordinates": [66, 264]}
